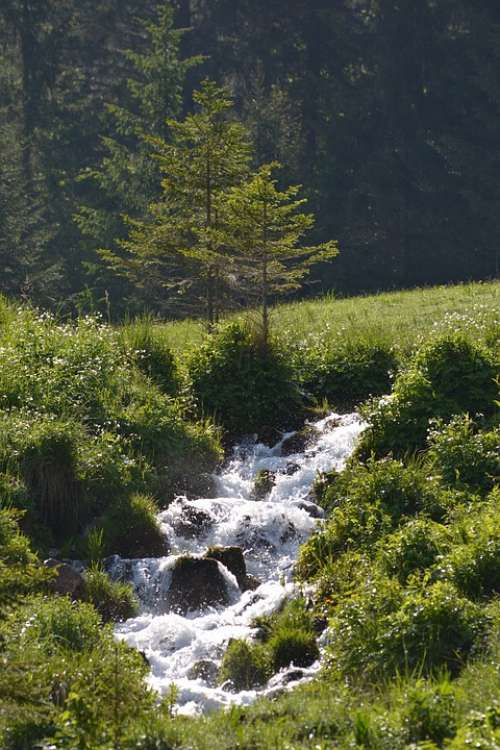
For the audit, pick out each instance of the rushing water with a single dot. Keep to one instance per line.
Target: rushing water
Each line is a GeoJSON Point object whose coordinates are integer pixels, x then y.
{"type": "Point", "coordinates": [269, 532]}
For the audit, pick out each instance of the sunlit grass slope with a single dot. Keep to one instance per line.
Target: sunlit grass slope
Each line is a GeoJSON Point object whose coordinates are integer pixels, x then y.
{"type": "Point", "coordinates": [400, 318]}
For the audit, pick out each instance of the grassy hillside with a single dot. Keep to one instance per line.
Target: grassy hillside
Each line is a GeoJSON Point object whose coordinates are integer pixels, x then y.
{"type": "Point", "coordinates": [402, 318]}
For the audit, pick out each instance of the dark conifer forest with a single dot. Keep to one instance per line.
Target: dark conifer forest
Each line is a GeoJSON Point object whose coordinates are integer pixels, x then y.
{"type": "Point", "coordinates": [385, 112]}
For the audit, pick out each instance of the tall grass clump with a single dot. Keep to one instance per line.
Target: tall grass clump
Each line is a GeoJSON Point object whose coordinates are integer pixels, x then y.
{"type": "Point", "coordinates": [154, 357]}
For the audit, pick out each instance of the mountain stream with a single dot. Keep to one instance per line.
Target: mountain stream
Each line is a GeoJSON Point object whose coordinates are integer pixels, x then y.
{"type": "Point", "coordinates": [269, 531]}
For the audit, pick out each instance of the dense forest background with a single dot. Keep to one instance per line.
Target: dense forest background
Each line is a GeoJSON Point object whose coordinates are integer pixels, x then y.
{"type": "Point", "coordinates": [385, 111]}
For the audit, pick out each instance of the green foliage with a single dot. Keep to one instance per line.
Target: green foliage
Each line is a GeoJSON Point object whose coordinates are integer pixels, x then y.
{"type": "Point", "coordinates": [413, 548]}
{"type": "Point", "coordinates": [246, 388]}
{"type": "Point", "coordinates": [20, 571]}
{"type": "Point", "coordinates": [55, 625]}
{"type": "Point", "coordinates": [264, 229]}
{"type": "Point", "coordinates": [112, 599]}
{"type": "Point", "coordinates": [474, 563]}
{"type": "Point", "coordinates": [131, 529]}
{"type": "Point", "coordinates": [245, 665]}
{"type": "Point", "coordinates": [430, 712]}
{"type": "Point", "coordinates": [367, 502]}
{"type": "Point", "coordinates": [49, 468]}
{"type": "Point", "coordinates": [82, 427]}
{"type": "Point", "coordinates": [383, 629]}
{"type": "Point", "coordinates": [449, 376]}
{"type": "Point", "coordinates": [288, 645]}
{"type": "Point", "coordinates": [64, 678]}
{"type": "Point", "coordinates": [179, 243]}
{"type": "Point", "coordinates": [348, 372]}
{"type": "Point", "coordinates": [464, 456]}
{"type": "Point", "coordinates": [153, 356]}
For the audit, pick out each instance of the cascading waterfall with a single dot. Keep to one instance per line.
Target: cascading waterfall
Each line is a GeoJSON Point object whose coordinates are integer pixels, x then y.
{"type": "Point", "coordinates": [269, 532]}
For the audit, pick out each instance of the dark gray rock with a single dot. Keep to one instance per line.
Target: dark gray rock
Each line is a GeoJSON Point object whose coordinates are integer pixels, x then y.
{"type": "Point", "coordinates": [263, 484]}
{"type": "Point", "coordinates": [232, 559]}
{"type": "Point", "coordinates": [313, 509]}
{"type": "Point", "coordinates": [193, 523]}
{"type": "Point", "coordinates": [299, 441]}
{"type": "Point", "coordinates": [205, 670]}
{"type": "Point", "coordinates": [197, 583]}
{"type": "Point", "coordinates": [67, 581]}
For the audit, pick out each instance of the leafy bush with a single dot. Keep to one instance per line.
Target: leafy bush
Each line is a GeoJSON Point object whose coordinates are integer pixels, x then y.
{"type": "Point", "coordinates": [448, 376]}
{"type": "Point", "coordinates": [81, 427]}
{"type": "Point", "coordinates": [112, 599]}
{"type": "Point", "coordinates": [65, 681]}
{"type": "Point", "coordinates": [20, 571]}
{"type": "Point", "coordinates": [246, 388]}
{"type": "Point", "coordinates": [430, 711]}
{"type": "Point", "coordinates": [383, 629]}
{"type": "Point", "coordinates": [131, 528]}
{"type": "Point", "coordinates": [415, 547]}
{"type": "Point", "coordinates": [348, 373]}
{"type": "Point", "coordinates": [49, 465]}
{"type": "Point", "coordinates": [474, 564]}
{"type": "Point", "coordinates": [244, 665]}
{"type": "Point", "coordinates": [367, 502]}
{"type": "Point", "coordinates": [55, 625]}
{"type": "Point", "coordinates": [464, 456]}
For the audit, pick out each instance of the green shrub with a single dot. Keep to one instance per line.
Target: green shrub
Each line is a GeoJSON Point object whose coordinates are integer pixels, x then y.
{"type": "Point", "coordinates": [244, 665]}
{"type": "Point", "coordinates": [151, 353]}
{"type": "Point", "coordinates": [430, 712]}
{"type": "Point", "coordinates": [482, 731]}
{"type": "Point", "coordinates": [55, 625]}
{"type": "Point", "coordinates": [65, 681]}
{"type": "Point", "coordinates": [414, 548]}
{"type": "Point", "coordinates": [474, 564]}
{"type": "Point", "coordinates": [131, 528]}
{"type": "Point", "coordinates": [383, 629]}
{"type": "Point", "coordinates": [368, 501]}
{"type": "Point", "coordinates": [246, 388]}
{"type": "Point", "coordinates": [179, 451]}
{"type": "Point", "coordinates": [112, 599]}
{"type": "Point", "coordinates": [348, 373]}
{"type": "Point", "coordinates": [463, 456]}
{"type": "Point", "coordinates": [448, 376]}
{"type": "Point", "coordinates": [462, 374]}
{"type": "Point", "coordinates": [20, 571]}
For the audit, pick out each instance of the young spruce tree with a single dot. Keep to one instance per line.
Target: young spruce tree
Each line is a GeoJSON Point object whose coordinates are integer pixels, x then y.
{"type": "Point", "coordinates": [182, 239]}
{"type": "Point", "coordinates": [266, 226]}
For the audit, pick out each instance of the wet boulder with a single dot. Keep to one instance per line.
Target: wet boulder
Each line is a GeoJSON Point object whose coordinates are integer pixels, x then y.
{"type": "Point", "coordinates": [299, 441]}
{"type": "Point", "coordinates": [67, 581]}
{"type": "Point", "coordinates": [205, 670]}
{"type": "Point", "coordinates": [193, 522]}
{"type": "Point", "coordinates": [232, 559]}
{"type": "Point", "coordinates": [251, 583]}
{"type": "Point", "coordinates": [288, 533]}
{"type": "Point", "coordinates": [196, 583]}
{"type": "Point", "coordinates": [291, 468]}
{"type": "Point", "coordinates": [311, 508]}
{"type": "Point", "coordinates": [263, 484]}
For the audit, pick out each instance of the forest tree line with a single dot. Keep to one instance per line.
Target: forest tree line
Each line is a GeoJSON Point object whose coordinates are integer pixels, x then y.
{"type": "Point", "coordinates": [386, 112]}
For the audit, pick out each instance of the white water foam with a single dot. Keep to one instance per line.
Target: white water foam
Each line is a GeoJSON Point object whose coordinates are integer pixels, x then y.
{"type": "Point", "coordinates": [269, 532]}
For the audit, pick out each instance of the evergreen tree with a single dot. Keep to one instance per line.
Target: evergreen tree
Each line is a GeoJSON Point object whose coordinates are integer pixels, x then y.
{"type": "Point", "coordinates": [265, 228]}
{"type": "Point", "coordinates": [181, 242]}
{"type": "Point", "coordinates": [127, 178]}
